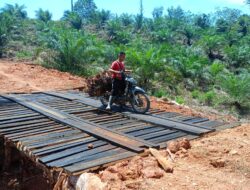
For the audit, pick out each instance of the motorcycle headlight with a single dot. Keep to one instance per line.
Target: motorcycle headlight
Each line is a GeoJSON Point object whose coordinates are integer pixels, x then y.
{"type": "Point", "coordinates": [131, 80]}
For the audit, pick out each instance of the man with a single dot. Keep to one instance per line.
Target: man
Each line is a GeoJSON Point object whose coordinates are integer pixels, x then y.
{"type": "Point", "coordinates": [118, 81]}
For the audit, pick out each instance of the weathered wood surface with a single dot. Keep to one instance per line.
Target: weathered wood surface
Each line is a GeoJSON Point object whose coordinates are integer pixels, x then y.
{"type": "Point", "coordinates": [150, 118]}
{"type": "Point", "coordinates": [71, 131]}
{"type": "Point", "coordinates": [88, 127]}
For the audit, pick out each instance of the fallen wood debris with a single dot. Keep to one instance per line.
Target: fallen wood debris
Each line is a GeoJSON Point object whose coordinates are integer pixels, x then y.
{"type": "Point", "coordinates": [99, 84]}
{"type": "Point", "coordinates": [166, 164]}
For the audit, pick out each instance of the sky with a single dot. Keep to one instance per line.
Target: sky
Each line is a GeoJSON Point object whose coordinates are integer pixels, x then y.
{"type": "Point", "coordinates": [57, 7]}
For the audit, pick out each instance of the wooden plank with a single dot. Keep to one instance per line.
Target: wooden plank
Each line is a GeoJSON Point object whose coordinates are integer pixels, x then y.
{"type": "Point", "coordinates": [157, 134]}
{"type": "Point", "coordinates": [184, 118]}
{"type": "Point", "coordinates": [227, 126]}
{"type": "Point", "coordinates": [53, 102]}
{"type": "Point", "coordinates": [90, 116]}
{"type": "Point", "coordinates": [76, 97]}
{"type": "Point", "coordinates": [82, 111]}
{"type": "Point", "coordinates": [77, 110]}
{"type": "Point", "coordinates": [98, 162]}
{"type": "Point", "coordinates": [56, 141]}
{"type": "Point", "coordinates": [110, 118]}
{"type": "Point", "coordinates": [169, 137]}
{"type": "Point", "coordinates": [66, 107]}
{"type": "Point", "coordinates": [115, 120]}
{"type": "Point", "coordinates": [30, 129]}
{"type": "Point", "coordinates": [148, 130]}
{"type": "Point", "coordinates": [44, 137]}
{"type": "Point", "coordinates": [14, 126]}
{"type": "Point", "coordinates": [134, 127]}
{"type": "Point", "coordinates": [169, 114]}
{"type": "Point", "coordinates": [70, 151]}
{"type": "Point", "coordinates": [120, 123]}
{"type": "Point", "coordinates": [100, 118]}
{"type": "Point", "coordinates": [93, 154]}
{"type": "Point", "coordinates": [24, 127]}
{"type": "Point", "coordinates": [189, 118]}
{"type": "Point", "coordinates": [22, 119]}
{"type": "Point", "coordinates": [18, 116]}
{"type": "Point", "coordinates": [36, 131]}
{"type": "Point", "coordinates": [168, 123]}
{"type": "Point", "coordinates": [10, 107]}
{"type": "Point", "coordinates": [185, 123]}
{"type": "Point", "coordinates": [211, 124]}
{"type": "Point", "coordinates": [86, 114]}
{"type": "Point", "coordinates": [13, 113]}
{"type": "Point", "coordinates": [91, 128]}
{"type": "Point", "coordinates": [197, 120]}
{"type": "Point", "coordinates": [63, 104]}
{"type": "Point", "coordinates": [14, 110]}
{"type": "Point", "coordinates": [125, 124]}
{"type": "Point", "coordinates": [63, 146]}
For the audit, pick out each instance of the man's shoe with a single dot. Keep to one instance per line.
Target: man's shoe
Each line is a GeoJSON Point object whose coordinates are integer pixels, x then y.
{"type": "Point", "coordinates": [108, 107]}
{"type": "Point", "coordinates": [109, 103]}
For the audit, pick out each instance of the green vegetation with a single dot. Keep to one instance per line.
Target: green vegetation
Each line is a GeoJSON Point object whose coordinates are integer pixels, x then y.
{"type": "Point", "coordinates": [174, 54]}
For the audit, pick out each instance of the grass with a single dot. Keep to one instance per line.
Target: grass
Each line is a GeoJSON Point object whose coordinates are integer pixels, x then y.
{"type": "Point", "coordinates": [24, 54]}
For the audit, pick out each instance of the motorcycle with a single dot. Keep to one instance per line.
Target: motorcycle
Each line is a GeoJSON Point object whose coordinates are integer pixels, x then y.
{"type": "Point", "coordinates": [133, 95]}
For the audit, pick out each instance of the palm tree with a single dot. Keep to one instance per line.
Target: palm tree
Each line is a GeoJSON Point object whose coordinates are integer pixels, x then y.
{"type": "Point", "coordinates": [15, 10]}
{"type": "Point", "coordinates": [44, 16]}
{"type": "Point", "coordinates": [72, 6]}
{"type": "Point", "coordinates": [73, 18]}
{"type": "Point", "coordinates": [6, 23]}
{"type": "Point", "coordinates": [100, 18]}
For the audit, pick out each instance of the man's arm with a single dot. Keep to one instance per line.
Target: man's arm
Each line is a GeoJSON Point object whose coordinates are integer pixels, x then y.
{"type": "Point", "coordinates": [114, 71]}
{"type": "Point", "coordinates": [128, 70]}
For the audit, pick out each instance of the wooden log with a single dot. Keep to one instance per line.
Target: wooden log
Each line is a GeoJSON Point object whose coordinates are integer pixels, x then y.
{"type": "Point", "coordinates": [164, 163]}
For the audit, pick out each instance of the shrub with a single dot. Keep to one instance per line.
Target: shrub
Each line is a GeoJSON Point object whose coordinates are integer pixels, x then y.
{"type": "Point", "coordinates": [238, 88]}
{"type": "Point", "coordinates": [195, 94]}
{"type": "Point", "coordinates": [216, 68]}
{"type": "Point", "coordinates": [209, 97]}
{"type": "Point", "coordinates": [180, 100]}
{"type": "Point", "coordinates": [74, 49]}
{"type": "Point", "coordinates": [161, 93]}
{"type": "Point", "coordinates": [24, 54]}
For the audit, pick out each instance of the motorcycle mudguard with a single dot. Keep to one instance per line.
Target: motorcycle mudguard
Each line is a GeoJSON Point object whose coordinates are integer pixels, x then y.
{"type": "Point", "coordinates": [138, 89]}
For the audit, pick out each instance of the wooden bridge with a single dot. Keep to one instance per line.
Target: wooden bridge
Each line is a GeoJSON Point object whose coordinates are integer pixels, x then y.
{"type": "Point", "coordinates": [71, 131]}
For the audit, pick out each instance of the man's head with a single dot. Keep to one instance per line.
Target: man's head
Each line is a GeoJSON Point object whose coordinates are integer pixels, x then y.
{"type": "Point", "coordinates": [121, 56]}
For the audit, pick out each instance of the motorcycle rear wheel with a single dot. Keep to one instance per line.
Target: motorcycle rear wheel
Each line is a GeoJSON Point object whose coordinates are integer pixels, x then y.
{"type": "Point", "coordinates": [140, 103]}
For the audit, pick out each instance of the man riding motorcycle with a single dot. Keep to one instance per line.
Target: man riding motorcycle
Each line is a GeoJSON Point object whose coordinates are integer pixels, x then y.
{"type": "Point", "coordinates": [118, 80]}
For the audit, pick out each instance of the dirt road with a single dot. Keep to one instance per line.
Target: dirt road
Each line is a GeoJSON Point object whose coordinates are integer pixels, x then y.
{"type": "Point", "coordinates": [219, 160]}
{"type": "Point", "coordinates": [26, 77]}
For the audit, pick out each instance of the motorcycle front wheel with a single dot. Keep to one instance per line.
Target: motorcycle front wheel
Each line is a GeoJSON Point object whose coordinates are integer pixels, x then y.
{"type": "Point", "coordinates": [140, 103]}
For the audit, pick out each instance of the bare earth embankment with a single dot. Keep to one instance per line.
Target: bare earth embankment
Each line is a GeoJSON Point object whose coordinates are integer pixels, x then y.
{"type": "Point", "coordinates": [25, 77]}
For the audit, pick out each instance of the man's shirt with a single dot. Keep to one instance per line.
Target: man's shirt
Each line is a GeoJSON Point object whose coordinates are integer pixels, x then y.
{"type": "Point", "coordinates": [117, 66]}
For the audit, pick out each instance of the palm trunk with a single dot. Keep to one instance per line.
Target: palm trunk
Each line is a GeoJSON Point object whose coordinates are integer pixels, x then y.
{"type": "Point", "coordinates": [72, 6]}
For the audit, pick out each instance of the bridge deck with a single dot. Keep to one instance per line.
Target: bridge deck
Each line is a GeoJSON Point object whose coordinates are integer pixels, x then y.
{"type": "Point", "coordinates": [70, 130]}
